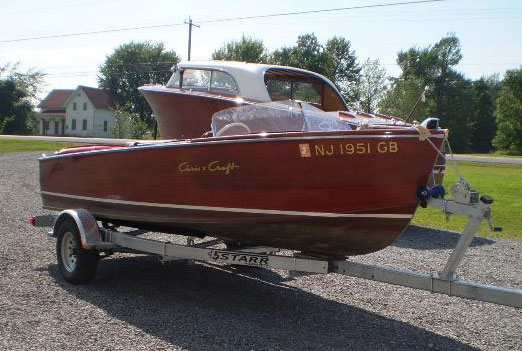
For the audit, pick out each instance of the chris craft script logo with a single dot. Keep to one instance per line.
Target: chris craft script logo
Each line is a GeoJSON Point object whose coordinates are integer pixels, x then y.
{"type": "Point", "coordinates": [213, 166]}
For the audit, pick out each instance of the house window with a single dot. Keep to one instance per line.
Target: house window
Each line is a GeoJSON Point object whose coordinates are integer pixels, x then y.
{"type": "Point", "coordinates": [85, 106]}
{"type": "Point", "coordinates": [45, 127]}
{"type": "Point", "coordinates": [56, 127]}
{"type": "Point", "coordinates": [73, 125]}
{"type": "Point", "coordinates": [105, 126]}
{"type": "Point", "coordinates": [74, 106]}
{"type": "Point", "coordinates": [84, 124]}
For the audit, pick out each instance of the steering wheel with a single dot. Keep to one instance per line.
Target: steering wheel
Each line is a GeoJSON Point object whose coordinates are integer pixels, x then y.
{"type": "Point", "coordinates": [236, 128]}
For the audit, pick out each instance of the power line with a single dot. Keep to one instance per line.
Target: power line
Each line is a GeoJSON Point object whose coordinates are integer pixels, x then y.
{"type": "Point", "coordinates": [224, 20]}
{"type": "Point", "coordinates": [322, 11]}
{"type": "Point", "coordinates": [88, 73]}
{"type": "Point", "coordinates": [90, 33]}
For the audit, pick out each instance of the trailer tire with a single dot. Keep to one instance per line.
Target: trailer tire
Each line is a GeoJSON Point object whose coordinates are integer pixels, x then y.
{"type": "Point", "coordinates": [77, 265]}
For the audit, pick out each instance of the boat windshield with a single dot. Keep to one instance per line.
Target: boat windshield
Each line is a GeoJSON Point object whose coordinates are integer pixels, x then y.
{"type": "Point", "coordinates": [290, 84]}
{"type": "Point", "coordinates": [272, 117]}
{"type": "Point", "coordinates": [205, 80]}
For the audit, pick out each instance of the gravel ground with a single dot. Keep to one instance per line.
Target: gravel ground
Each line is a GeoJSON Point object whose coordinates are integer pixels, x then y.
{"type": "Point", "coordinates": [137, 303]}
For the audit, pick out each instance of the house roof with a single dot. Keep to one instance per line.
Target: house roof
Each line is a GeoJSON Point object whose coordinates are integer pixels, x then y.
{"type": "Point", "coordinates": [100, 98]}
{"type": "Point", "coordinates": [56, 99]}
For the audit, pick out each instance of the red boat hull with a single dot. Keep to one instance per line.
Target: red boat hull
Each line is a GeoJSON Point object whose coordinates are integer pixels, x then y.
{"type": "Point", "coordinates": [329, 193]}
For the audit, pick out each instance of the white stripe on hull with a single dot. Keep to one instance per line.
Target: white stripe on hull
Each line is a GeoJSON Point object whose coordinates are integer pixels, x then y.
{"type": "Point", "coordinates": [234, 209]}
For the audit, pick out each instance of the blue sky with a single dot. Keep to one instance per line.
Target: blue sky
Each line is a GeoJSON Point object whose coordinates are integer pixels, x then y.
{"type": "Point", "coordinates": [490, 30]}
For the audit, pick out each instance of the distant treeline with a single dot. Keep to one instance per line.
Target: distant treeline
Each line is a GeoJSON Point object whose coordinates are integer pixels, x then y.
{"type": "Point", "coordinates": [483, 115]}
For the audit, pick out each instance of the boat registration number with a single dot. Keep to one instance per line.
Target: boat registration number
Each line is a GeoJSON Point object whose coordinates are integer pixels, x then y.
{"type": "Point", "coordinates": [239, 258]}
{"type": "Point", "coordinates": [324, 150]}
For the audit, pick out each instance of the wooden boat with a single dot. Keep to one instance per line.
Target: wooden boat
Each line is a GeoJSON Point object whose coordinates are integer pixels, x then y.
{"type": "Point", "coordinates": [281, 174]}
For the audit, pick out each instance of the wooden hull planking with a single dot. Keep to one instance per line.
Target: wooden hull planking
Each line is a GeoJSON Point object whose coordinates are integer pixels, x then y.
{"type": "Point", "coordinates": [330, 193]}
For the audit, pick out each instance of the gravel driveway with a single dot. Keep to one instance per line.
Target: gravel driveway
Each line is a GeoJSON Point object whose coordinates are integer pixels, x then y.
{"type": "Point", "coordinates": [136, 303]}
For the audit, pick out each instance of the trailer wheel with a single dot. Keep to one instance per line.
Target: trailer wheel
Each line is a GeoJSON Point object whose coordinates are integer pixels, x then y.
{"type": "Point", "coordinates": [77, 265]}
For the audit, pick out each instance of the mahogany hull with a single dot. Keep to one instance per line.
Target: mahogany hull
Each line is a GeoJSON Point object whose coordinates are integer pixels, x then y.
{"type": "Point", "coordinates": [329, 193]}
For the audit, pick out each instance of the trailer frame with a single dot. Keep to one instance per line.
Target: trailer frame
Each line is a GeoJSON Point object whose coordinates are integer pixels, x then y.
{"type": "Point", "coordinates": [108, 240]}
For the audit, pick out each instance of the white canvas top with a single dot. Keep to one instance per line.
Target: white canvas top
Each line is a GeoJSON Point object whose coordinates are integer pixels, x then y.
{"type": "Point", "coordinates": [248, 76]}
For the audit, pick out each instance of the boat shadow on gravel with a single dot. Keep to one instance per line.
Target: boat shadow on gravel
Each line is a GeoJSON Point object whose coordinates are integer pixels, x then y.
{"type": "Point", "coordinates": [206, 307]}
{"type": "Point", "coordinates": [423, 238]}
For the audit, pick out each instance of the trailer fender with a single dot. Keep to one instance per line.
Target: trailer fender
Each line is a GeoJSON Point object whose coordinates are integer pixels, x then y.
{"type": "Point", "coordinates": [87, 226]}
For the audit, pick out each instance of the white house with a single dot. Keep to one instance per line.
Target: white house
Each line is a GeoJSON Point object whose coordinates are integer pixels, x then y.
{"type": "Point", "coordinates": [81, 112]}
{"type": "Point", "coordinates": [52, 112]}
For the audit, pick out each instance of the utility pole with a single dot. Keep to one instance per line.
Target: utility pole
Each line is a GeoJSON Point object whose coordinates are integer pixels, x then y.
{"type": "Point", "coordinates": [190, 24]}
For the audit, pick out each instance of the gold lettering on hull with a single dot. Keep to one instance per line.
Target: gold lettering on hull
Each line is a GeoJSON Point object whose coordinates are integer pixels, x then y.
{"type": "Point", "coordinates": [323, 150]}
{"type": "Point", "coordinates": [347, 149]}
{"type": "Point", "coordinates": [385, 147]}
{"type": "Point", "coordinates": [211, 167]}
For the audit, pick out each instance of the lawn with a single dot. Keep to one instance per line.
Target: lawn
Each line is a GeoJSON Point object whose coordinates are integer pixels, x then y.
{"type": "Point", "coordinates": [9, 146]}
{"type": "Point", "coordinates": [502, 182]}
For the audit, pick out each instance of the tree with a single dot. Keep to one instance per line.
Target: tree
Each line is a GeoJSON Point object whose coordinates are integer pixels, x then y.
{"type": "Point", "coordinates": [401, 97]}
{"type": "Point", "coordinates": [372, 85]}
{"type": "Point", "coordinates": [450, 94]}
{"type": "Point", "coordinates": [307, 54]}
{"type": "Point", "coordinates": [484, 120]}
{"type": "Point", "coordinates": [342, 67]}
{"type": "Point", "coordinates": [246, 50]}
{"type": "Point", "coordinates": [17, 93]}
{"type": "Point", "coordinates": [434, 65]}
{"type": "Point", "coordinates": [509, 113]}
{"type": "Point", "coordinates": [456, 111]}
{"type": "Point", "coordinates": [128, 125]}
{"type": "Point", "coordinates": [335, 60]}
{"type": "Point", "coordinates": [132, 65]}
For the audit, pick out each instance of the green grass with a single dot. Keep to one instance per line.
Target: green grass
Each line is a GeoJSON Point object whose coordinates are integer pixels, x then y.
{"type": "Point", "coordinates": [502, 182]}
{"type": "Point", "coordinates": [9, 146]}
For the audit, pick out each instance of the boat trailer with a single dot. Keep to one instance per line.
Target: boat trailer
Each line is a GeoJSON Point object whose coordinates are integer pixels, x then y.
{"type": "Point", "coordinates": [81, 242]}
